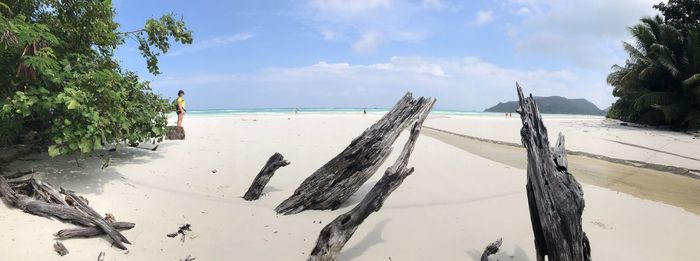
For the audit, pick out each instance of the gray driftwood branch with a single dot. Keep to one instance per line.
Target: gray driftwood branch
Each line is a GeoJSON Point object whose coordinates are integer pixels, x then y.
{"type": "Point", "coordinates": [342, 176]}
{"type": "Point", "coordinates": [275, 162]}
{"type": "Point", "coordinates": [554, 196]}
{"type": "Point", "coordinates": [334, 236]}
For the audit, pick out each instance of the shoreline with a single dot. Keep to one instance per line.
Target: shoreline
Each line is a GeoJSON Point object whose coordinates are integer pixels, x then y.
{"type": "Point", "coordinates": [686, 172]}
{"type": "Point", "coordinates": [644, 183]}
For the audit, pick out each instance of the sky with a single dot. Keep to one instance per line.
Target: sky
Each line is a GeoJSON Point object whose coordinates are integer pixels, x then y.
{"type": "Point", "coordinates": [368, 53]}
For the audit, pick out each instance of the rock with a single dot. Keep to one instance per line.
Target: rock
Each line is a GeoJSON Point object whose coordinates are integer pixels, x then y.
{"type": "Point", "coordinates": [174, 133]}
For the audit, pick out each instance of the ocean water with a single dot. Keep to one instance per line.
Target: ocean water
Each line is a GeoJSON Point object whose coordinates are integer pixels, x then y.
{"type": "Point", "coordinates": [351, 111]}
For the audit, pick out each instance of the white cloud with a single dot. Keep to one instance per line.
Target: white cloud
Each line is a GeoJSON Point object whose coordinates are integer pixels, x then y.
{"type": "Point", "coordinates": [344, 6]}
{"type": "Point", "coordinates": [215, 42]}
{"type": "Point", "coordinates": [523, 11]}
{"type": "Point", "coordinates": [483, 17]}
{"type": "Point", "coordinates": [457, 83]}
{"type": "Point", "coordinates": [584, 33]}
{"type": "Point", "coordinates": [367, 24]}
{"type": "Point", "coordinates": [368, 42]}
{"type": "Point", "coordinates": [437, 4]}
{"type": "Point", "coordinates": [328, 35]}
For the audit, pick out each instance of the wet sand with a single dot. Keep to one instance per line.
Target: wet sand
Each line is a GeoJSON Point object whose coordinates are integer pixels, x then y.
{"type": "Point", "coordinates": [645, 183]}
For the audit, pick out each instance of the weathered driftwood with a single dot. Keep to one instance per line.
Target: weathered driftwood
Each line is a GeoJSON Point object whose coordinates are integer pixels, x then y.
{"type": "Point", "coordinates": [174, 133]}
{"type": "Point", "coordinates": [554, 196]}
{"type": "Point", "coordinates": [339, 178]}
{"type": "Point", "coordinates": [90, 231]}
{"type": "Point", "coordinates": [491, 249]}
{"type": "Point", "coordinates": [42, 208]}
{"type": "Point", "coordinates": [45, 201]}
{"type": "Point", "coordinates": [97, 219]}
{"type": "Point", "coordinates": [334, 236]}
{"type": "Point", "coordinates": [275, 162]}
{"type": "Point", "coordinates": [60, 248]}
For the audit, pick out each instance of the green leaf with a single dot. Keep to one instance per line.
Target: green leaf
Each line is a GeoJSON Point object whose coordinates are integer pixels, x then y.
{"type": "Point", "coordinates": [73, 104]}
{"type": "Point", "coordinates": [54, 151]}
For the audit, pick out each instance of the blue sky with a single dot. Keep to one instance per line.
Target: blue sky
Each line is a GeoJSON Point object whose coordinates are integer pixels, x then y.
{"type": "Point", "coordinates": [367, 53]}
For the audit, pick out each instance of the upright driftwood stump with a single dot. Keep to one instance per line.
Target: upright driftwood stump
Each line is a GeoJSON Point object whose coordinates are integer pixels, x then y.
{"type": "Point", "coordinates": [275, 162]}
{"type": "Point", "coordinates": [339, 178]}
{"type": "Point", "coordinates": [334, 236]}
{"type": "Point", "coordinates": [174, 133]}
{"type": "Point", "coordinates": [554, 196]}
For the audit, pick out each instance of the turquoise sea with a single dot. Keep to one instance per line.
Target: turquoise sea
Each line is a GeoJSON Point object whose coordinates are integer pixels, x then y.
{"type": "Point", "coordinates": [349, 111]}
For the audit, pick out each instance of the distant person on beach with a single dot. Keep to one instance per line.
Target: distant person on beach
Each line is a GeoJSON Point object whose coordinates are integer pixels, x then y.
{"type": "Point", "coordinates": [296, 110]}
{"type": "Point", "coordinates": [180, 107]}
{"type": "Point", "coordinates": [364, 112]}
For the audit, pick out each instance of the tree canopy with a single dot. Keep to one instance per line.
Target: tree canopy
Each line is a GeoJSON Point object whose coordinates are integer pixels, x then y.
{"type": "Point", "coordinates": [59, 77]}
{"type": "Point", "coordinates": [682, 14]}
{"type": "Point", "coordinates": [659, 84]}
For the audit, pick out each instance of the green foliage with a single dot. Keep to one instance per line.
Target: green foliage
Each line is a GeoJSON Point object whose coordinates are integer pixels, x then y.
{"type": "Point", "coordinates": [59, 78]}
{"type": "Point", "coordinates": [660, 82]}
{"type": "Point", "coordinates": [682, 14]}
{"type": "Point", "coordinates": [10, 131]}
{"type": "Point", "coordinates": [157, 34]}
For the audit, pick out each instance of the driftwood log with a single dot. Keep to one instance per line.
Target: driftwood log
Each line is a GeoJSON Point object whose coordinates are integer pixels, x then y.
{"type": "Point", "coordinates": [554, 196]}
{"type": "Point", "coordinates": [275, 162]}
{"type": "Point", "coordinates": [42, 199]}
{"type": "Point", "coordinates": [334, 236]}
{"type": "Point", "coordinates": [90, 231]}
{"type": "Point", "coordinates": [97, 219]}
{"type": "Point", "coordinates": [339, 178]}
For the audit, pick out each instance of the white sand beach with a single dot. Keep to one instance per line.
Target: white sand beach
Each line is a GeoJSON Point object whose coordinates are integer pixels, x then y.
{"type": "Point", "coordinates": [450, 208]}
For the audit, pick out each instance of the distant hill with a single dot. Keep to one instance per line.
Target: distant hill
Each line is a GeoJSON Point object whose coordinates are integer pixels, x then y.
{"type": "Point", "coordinates": [553, 105]}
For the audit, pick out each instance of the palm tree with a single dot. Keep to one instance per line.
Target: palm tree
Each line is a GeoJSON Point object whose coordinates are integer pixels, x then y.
{"type": "Point", "coordinates": [660, 81]}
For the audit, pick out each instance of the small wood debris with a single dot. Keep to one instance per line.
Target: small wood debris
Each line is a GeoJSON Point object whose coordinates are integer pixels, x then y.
{"type": "Point", "coordinates": [188, 258]}
{"type": "Point", "coordinates": [181, 231]}
{"type": "Point", "coordinates": [101, 256]}
{"type": "Point", "coordinates": [60, 248]}
{"type": "Point", "coordinates": [109, 218]}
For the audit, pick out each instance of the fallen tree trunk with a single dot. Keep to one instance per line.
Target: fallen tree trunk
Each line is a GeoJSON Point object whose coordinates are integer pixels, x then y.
{"type": "Point", "coordinates": [554, 196]}
{"type": "Point", "coordinates": [90, 231]}
{"type": "Point", "coordinates": [275, 162]}
{"type": "Point", "coordinates": [334, 236]}
{"type": "Point", "coordinates": [342, 176]}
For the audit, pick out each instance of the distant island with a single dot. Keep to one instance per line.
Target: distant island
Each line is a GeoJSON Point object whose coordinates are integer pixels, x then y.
{"type": "Point", "coordinates": [553, 105]}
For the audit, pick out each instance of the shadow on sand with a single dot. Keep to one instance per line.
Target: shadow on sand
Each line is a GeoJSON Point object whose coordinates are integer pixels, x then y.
{"type": "Point", "coordinates": [372, 238]}
{"type": "Point", "coordinates": [517, 254]}
{"type": "Point", "coordinates": [86, 175]}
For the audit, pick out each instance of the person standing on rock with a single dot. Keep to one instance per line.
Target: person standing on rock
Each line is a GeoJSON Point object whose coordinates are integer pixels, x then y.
{"type": "Point", "coordinates": [180, 107]}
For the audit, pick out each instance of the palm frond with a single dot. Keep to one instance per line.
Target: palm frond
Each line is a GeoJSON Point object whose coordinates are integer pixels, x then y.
{"type": "Point", "coordinates": [672, 112]}
{"type": "Point", "coordinates": [664, 56]}
{"type": "Point", "coordinates": [647, 100]}
{"type": "Point", "coordinates": [633, 52]}
{"type": "Point", "coordinates": [5, 7]}
{"type": "Point", "coordinates": [643, 37]}
{"type": "Point", "coordinates": [692, 50]}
